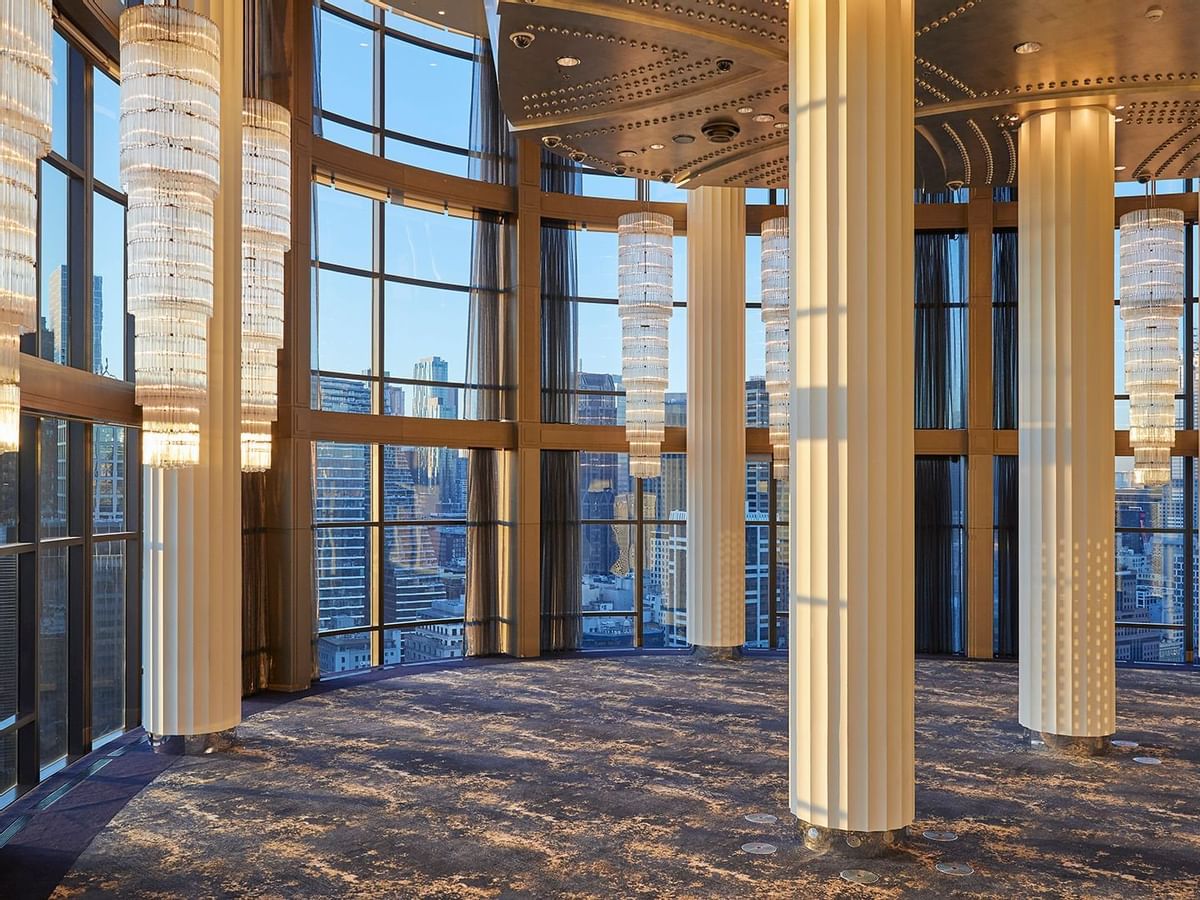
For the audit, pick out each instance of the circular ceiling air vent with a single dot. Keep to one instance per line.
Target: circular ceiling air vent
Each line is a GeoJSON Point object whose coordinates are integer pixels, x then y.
{"type": "Point", "coordinates": [720, 131]}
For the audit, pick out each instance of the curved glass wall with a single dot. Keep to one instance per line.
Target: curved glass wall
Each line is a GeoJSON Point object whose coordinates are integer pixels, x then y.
{"type": "Point", "coordinates": [69, 512]}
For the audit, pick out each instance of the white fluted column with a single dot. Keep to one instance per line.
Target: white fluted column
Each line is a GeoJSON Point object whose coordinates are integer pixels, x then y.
{"type": "Point", "coordinates": [851, 604]}
{"type": "Point", "coordinates": [716, 470]}
{"type": "Point", "coordinates": [1066, 465]}
{"type": "Point", "coordinates": [192, 544]}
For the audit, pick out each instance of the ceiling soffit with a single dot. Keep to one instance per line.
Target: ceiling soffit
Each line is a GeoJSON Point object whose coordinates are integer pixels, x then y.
{"type": "Point", "coordinates": [653, 97]}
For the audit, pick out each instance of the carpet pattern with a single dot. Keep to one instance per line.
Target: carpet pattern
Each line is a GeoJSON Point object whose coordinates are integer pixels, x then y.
{"type": "Point", "coordinates": [631, 777]}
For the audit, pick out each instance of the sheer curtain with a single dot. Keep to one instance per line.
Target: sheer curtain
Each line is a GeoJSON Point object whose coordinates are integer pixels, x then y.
{"type": "Point", "coordinates": [1004, 328]}
{"type": "Point", "coordinates": [938, 544]}
{"type": "Point", "coordinates": [1006, 639]}
{"type": "Point", "coordinates": [483, 556]}
{"type": "Point", "coordinates": [562, 594]}
{"type": "Point", "coordinates": [940, 330]}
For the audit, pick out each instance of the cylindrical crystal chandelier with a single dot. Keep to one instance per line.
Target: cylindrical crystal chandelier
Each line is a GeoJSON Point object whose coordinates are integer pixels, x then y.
{"type": "Point", "coordinates": [776, 316]}
{"type": "Point", "coordinates": [645, 269]}
{"type": "Point", "coordinates": [170, 68]}
{"type": "Point", "coordinates": [1152, 287]}
{"type": "Point", "coordinates": [26, 72]}
{"type": "Point", "coordinates": [266, 234]}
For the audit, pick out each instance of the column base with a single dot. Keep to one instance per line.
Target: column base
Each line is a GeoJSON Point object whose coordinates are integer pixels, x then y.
{"type": "Point", "coordinates": [725, 654]}
{"type": "Point", "coordinates": [194, 744]}
{"type": "Point", "coordinates": [851, 844]}
{"type": "Point", "coordinates": [1072, 745]}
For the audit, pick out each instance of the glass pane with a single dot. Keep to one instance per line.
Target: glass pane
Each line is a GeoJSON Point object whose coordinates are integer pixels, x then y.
{"type": "Point", "coordinates": [1158, 507]}
{"type": "Point", "coordinates": [758, 490]}
{"type": "Point", "coordinates": [350, 395]}
{"type": "Point", "coordinates": [782, 597]}
{"type": "Point", "coordinates": [361, 8]}
{"type": "Point", "coordinates": [756, 350]}
{"type": "Point", "coordinates": [108, 288]}
{"type": "Point", "coordinates": [342, 482]}
{"type": "Point", "coordinates": [441, 109]}
{"type": "Point", "coordinates": [343, 577]}
{"type": "Point", "coordinates": [442, 36]}
{"type": "Point", "coordinates": [343, 228]}
{"type": "Point", "coordinates": [425, 337]}
{"type": "Point", "coordinates": [605, 492]}
{"type": "Point", "coordinates": [52, 655]}
{"type": "Point", "coordinates": [1150, 578]}
{"type": "Point", "coordinates": [597, 263]}
{"type": "Point", "coordinates": [8, 640]}
{"type": "Point", "coordinates": [604, 184]}
{"type": "Point", "coordinates": [53, 265]}
{"type": "Point", "coordinates": [108, 474]}
{"type": "Point", "coordinates": [424, 572]}
{"type": "Point", "coordinates": [430, 246]}
{"type": "Point", "coordinates": [665, 497]}
{"type": "Point", "coordinates": [423, 643]}
{"type": "Point", "coordinates": [8, 765]}
{"type": "Point", "coordinates": [347, 135]}
{"type": "Point", "coordinates": [758, 586]}
{"type": "Point", "coordinates": [428, 401]}
{"type": "Point", "coordinates": [108, 638]}
{"type": "Point", "coordinates": [342, 310]}
{"type": "Point", "coordinates": [344, 652]}
{"type": "Point", "coordinates": [347, 68]}
{"type": "Point", "coordinates": [61, 52]}
{"type": "Point", "coordinates": [55, 478]}
{"type": "Point", "coordinates": [106, 139]}
{"type": "Point", "coordinates": [8, 497]}
{"type": "Point", "coordinates": [664, 601]}
{"type": "Point", "coordinates": [599, 356]}
{"type": "Point", "coordinates": [607, 632]}
{"type": "Point", "coordinates": [1149, 645]}
{"type": "Point", "coordinates": [413, 154]}
{"type": "Point", "coordinates": [607, 568]}
{"type": "Point", "coordinates": [421, 483]}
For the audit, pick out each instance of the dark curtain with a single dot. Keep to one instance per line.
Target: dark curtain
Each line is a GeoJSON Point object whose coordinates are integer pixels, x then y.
{"type": "Point", "coordinates": [1004, 328]}
{"type": "Point", "coordinates": [1006, 641]}
{"type": "Point", "coordinates": [256, 657]}
{"type": "Point", "coordinates": [483, 555]}
{"type": "Point", "coordinates": [939, 545]}
{"type": "Point", "coordinates": [562, 596]}
{"type": "Point", "coordinates": [493, 150]}
{"type": "Point", "coordinates": [562, 565]}
{"type": "Point", "coordinates": [940, 330]}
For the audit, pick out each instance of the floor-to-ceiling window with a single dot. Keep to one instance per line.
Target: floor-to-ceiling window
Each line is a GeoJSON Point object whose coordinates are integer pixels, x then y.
{"type": "Point", "coordinates": [69, 515]}
{"type": "Point", "coordinates": [1155, 551]}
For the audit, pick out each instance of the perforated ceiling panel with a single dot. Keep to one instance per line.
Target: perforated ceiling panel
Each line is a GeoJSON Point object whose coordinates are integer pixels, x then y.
{"type": "Point", "coordinates": [695, 91]}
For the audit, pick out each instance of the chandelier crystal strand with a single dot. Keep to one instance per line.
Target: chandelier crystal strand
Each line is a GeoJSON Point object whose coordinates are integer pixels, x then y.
{"type": "Point", "coordinates": [645, 270]}
{"type": "Point", "coordinates": [170, 67]}
{"type": "Point", "coordinates": [266, 235]}
{"type": "Point", "coordinates": [776, 316]}
{"type": "Point", "coordinates": [1152, 287]}
{"type": "Point", "coordinates": [26, 88]}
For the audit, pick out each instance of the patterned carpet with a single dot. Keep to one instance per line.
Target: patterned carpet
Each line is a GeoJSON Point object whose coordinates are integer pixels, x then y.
{"type": "Point", "coordinates": [631, 777]}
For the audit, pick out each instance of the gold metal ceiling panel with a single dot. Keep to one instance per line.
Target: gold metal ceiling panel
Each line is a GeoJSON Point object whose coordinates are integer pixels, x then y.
{"type": "Point", "coordinates": [647, 74]}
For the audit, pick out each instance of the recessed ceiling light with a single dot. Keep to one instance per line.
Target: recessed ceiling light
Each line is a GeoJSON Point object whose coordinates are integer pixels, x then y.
{"type": "Point", "coordinates": [764, 117]}
{"type": "Point", "coordinates": [568, 62]}
{"type": "Point", "coordinates": [627, 154]}
{"type": "Point", "coordinates": [1121, 107]}
{"type": "Point", "coordinates": [684, 139]}
{"type": "Point", "coordinates": [1118, 119]}
{"type": "Point", "coordinates": [441, 12]}
{"type": "Point", "coordinates": [779, 126]}
{"type": "Point", "coordinates": [1118, 168]}
{"type": "Point", "coordinates": [656, 146]}
{"type": "Point", "coordinates": [1026, 47]}
{"type": "Point", "coordinates": [745, 110]}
